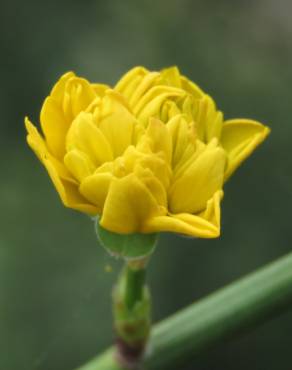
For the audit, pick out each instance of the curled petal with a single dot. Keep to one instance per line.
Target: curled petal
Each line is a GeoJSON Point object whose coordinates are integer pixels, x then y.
{"type": "Point", "coordinates": [85, 136]}
{"type": "Point", "coordinates": [125, 85]}
{"type": "Point", "coordinates": [78, 95]}
{"type": "Point", "coordinates": [95, 188]}
{"type": "Point", "coordinates": [160, 138]}
{"type": "Point", "coordinates": [79, 164]}
{"type": "Point", "coordinates": [212, 213]}
{"type": "Point", "coordinates": [100, 89]}
{"type": "Point", "coordinates": [152, 101]}
{"type": "Point", "coordinates": [54, 126]}
{"type": "Point", "coordinates": [69, 96]}
{"type": "Point", "coordinates": [142, 87]}
{"type": "Point", "coordinates": [154, 185]}
{"type": "Point", "coordinates": [239, 138]}
{"type": "Point", "coordinates": [207, 118]}
{"type": "Point", "coordinates": [117, 123]}
{"type": "Point", "coordinates": [191, 88]}
{"type": "Point", "coordinates": [197, 184]}
{"type": "Point", "coordinates": [67, 189]}
{"type": "Point", "coordinates": [181, 135]}
{"type": "Point", "coordinates": [58, 90]}
{"type": "Point", "coordinates": [204, 225]}
{"type": "Point", "coordinates": [171, 77]}
{"type": "Point", "coordinates": [128, 204]}
{"type": "Point", "coordinates": [157, 165]}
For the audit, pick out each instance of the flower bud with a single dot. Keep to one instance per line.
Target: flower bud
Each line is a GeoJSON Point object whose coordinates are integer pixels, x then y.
{"type": "Point", "coordinates": [150, 154]}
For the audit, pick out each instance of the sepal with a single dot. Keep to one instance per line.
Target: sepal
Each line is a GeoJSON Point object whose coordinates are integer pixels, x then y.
{"type": "Point", "coordinates": [128, 246]}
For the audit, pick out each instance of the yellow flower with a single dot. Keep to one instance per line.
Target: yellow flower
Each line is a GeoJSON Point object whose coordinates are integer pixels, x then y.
{"type": "Point", "coordinates": [150, 154]}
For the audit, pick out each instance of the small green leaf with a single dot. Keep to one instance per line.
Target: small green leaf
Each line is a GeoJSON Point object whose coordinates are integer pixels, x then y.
{"type": "Point", "coordinates": [129, 246]}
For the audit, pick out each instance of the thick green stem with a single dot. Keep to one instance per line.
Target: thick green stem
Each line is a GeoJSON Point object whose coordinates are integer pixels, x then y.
{"type": "Point", "coordinates": [243, 304]}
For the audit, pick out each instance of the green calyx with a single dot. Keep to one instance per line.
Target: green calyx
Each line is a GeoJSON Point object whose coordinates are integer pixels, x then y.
{"type": "Point", "coordinates": [128, 246]}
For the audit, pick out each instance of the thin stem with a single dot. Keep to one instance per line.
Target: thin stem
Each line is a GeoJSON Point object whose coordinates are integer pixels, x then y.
{"type": "Point", "coordinates": [132, 315]}
{"type": "Point", "coordinates": [135, 281]}
{"type": "Point", "coordinates": [243, 304]}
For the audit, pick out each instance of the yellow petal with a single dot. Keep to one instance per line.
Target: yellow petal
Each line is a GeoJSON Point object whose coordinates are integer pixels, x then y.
{"type": "Point", "coordinates": [128, 204]}
{"type": "Point", "coordinates": [214, 120]}
{"type": "Point", "coordinates": [239, 138]}
{"type": "Point", "coordinates": [185, 224]}
{"type": "Point", "coordinates": [39, 142]}
{"type": "Point", "coordinates": [85, 136]}
{"type": "Point", "coordinates": [144, 85]}
{"type": "Point", "coordinates": [204, 225]}
{"type": "Point", "coordinates": [69, 96]}
{"type": "Point", "coordinates": [191, 191]}
{"type": "Point", "coordinates": [118, 124]}
{"type": "Point", "coordinates": [67, 190]}
{"type": "Point", "coordinates": [157, 165]}
{"type": "Point", "coordinates": [212, 213]}
{"type": "Point", "coordinates": [95, 188]}
{"type": "Point", "coordinates": [160, 137]}
{"type": "Point", "coordinates": [100, 89]}
{"type": "Point", "coordinates": [131, 87]}
{"type": "Point", "coordinates": [181, 137]}
{"type": "Point", "coordinates": [54, 126]}
{"type": "Point", "coordinates": [150, 104]}
{"type": "Point", "coordinates": [128, 77]}
{"type": "Point", "coordinates": [207, 118]}
{"type": "Point", "coordinates": [169, 109]}
{"type": "Point", "coordinates": [191, 88]}
{"type": "Point", "coordinates": [153, 184]}
{"type": "Point", "coordinates": [79, 164]}
{"type": "Point", "coordinates": [171, 76]}
{"type": "Point", "coordinates": [77, 97]}
{"type": "Point", "coordinates": [59, 88]}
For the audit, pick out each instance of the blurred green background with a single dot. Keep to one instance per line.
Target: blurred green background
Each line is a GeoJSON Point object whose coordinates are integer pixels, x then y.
{"type": "Point", "coordinates": [54, 291]}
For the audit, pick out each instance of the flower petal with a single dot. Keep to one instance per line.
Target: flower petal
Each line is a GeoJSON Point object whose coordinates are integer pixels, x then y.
{"type": "Point", "coordinates": [204, 225]}
{"type": "Point", "coordinates": [54, 126]}
{"type": "Point", "coordinates": [84, 135]}
{"type": "Point", "coordinates": [207, 118]}
{"type": "Point", "coordinates": [68, 191]}
{"type": "Point", "coordinates": [182, 135]}
{"type": "Point", "coordinates": [130, 83]}
{"type": "Point", "coordinates": [145, 83]}
{"type": "Point", "coordinates": [212, 213]}
{"type": "Point", "coordinates": [191, 191]}
{"type": "Point", "coordinates": [171, 76]}
{"type": "Point", "coordinates": [150, 104]}
{"type": "Point", "coordinates": [69, 96]}
{"type": "Point", "coordinates": [95, 188]}
{"type": "Point", "coordinates": [191, 88]}
{"type": "Point", "coordinates": [58, 90]}
{"type": "Point", "coordinates": [79, 164]}
{"type": "Point", "coordinates": [117, 123]}
{"type": "Point", "coordinates": [128, 204]}
{"type": "Point", "coordinates": [100, 89]}
{"type": "Point", "coordinates": [160, 137]}
{"type": "Point", "coordinates": [239, 138]}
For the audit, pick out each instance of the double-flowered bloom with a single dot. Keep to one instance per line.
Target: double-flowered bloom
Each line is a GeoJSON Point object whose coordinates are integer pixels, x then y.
{"type": "Point", "coordinates": [150, 154]}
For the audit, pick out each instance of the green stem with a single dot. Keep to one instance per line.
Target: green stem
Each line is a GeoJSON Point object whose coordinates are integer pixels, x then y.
{"type": "Point", "coordinates": [132, 314]}
{"type": "Point", "coordinates": [134, 285]}
{"type": "Point", "coordinates": [243, 304]}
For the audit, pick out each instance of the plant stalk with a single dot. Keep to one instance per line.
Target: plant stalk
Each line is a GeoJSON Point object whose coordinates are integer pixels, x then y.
{"type": "Point", "coordinates": [135, 281]}
{"type": "Point", "coordinates": [132, 315]}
